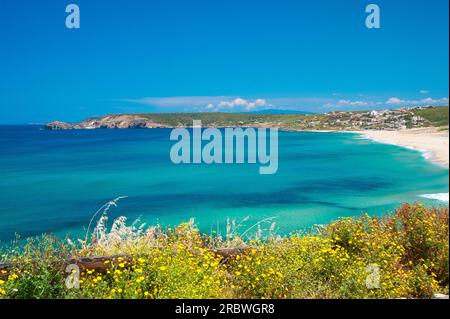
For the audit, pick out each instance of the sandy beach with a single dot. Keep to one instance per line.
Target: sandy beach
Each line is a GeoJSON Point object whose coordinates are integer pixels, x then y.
{"type": "Point", "coordinates": [428, 140]}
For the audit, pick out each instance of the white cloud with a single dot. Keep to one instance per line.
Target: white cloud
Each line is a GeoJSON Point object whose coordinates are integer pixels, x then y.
{"type": "Point", "coordinates": [347, 104]}
{"type": "Point", "coordinates": [354, 103]}
{"type": "Point", "coordinates": [176, 101]}
{"type": "Point", "coordinates": [240, 103]}
{"type": "Point", "coordinates": [424, 91]}
{"type": "Point", "coordinates": [428, 100]}
{"type": "Point", "coordinates": [394, 100]}
{"type": "Point", "coordinates": [202, 103]}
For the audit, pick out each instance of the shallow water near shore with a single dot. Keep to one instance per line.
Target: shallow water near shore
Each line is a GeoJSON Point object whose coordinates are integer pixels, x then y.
{"type": "Point", "coordinates": [53, 181]}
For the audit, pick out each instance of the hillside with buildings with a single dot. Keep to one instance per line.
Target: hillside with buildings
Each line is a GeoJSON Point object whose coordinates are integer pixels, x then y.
{"type": "Point", "coordinates": [402, 118]}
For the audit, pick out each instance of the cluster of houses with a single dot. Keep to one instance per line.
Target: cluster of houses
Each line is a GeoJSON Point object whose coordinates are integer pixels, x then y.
{"type": "Point", "coordinates": [379, 119]}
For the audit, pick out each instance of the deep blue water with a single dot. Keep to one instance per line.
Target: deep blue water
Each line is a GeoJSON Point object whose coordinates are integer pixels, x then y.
{"type": "Point", "coordinates": [53, 181]}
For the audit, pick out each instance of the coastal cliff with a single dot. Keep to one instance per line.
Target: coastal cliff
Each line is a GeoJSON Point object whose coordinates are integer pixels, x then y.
{"type": "Point", "coordinates": [107, 122]}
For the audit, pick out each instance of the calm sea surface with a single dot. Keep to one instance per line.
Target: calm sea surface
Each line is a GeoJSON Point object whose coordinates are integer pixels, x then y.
{"type": "Point", "coordinates": [53, 181]}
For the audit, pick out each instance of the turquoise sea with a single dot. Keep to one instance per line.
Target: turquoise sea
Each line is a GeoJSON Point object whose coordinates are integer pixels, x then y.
{"type": "Point", "coordinates": [53, 181]}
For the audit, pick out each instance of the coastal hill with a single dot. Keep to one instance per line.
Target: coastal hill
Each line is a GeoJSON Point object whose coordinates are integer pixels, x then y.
{"type": "Point", "coordinates": [278, 111]}
{"type": "Point", "coordinates": [402, 118]}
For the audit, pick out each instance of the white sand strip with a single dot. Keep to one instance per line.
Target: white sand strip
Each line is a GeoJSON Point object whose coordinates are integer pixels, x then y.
{"type": "Point", "coordinates": [432, 142]}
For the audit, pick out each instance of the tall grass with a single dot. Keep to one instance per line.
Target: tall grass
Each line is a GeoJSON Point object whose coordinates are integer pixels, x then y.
{"type": "Point", "coordinates": [404, 254]}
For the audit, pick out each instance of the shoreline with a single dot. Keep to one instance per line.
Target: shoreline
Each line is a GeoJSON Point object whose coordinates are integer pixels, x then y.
{"type": "Point", "coordinates": [432, 143]}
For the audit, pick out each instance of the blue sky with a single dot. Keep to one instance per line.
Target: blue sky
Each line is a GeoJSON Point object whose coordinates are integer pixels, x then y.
{"type": "Point", "coordinates": [174, 55]}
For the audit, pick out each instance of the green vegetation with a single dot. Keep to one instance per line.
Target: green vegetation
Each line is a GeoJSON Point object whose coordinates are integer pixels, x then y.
{"type": "Point", "coordinates": [408, 249]}
{"type": "Point", "coordinates": [337, 121]}
{"type": "Point", "coordinates": [229, 119]}
{"type": "Point", "coordinates": [357, 120]}
{"type": "Point", "coordinates": [437, 116]}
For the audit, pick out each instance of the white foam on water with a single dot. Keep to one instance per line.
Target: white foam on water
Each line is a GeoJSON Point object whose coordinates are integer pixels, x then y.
{"type": "Point", "coordinates": [443, 197]}
{"type": "Point", "coordinates": [426, 154]}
